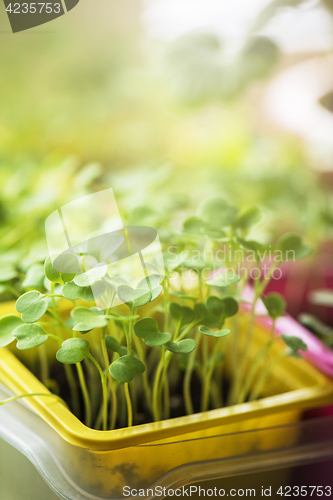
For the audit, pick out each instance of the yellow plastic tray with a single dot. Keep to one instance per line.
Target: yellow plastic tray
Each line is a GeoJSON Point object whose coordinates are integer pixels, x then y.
{"type": "Point", "coordinates": [104, 462]}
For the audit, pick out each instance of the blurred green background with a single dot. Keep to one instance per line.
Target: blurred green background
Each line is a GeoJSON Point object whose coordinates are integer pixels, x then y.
{"type": "Point", "coordinates": [168, 103]}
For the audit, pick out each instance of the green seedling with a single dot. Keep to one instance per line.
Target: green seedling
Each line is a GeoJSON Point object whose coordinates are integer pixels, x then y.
{"type": "Point", "coordinates": [163, 333]}
{"type": "Point", "coordinates": [147, 329]}
{"type": "Point", "coordinates": [224, 279]}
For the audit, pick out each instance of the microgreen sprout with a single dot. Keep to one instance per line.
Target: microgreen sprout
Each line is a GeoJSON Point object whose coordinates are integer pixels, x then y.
{"type": "Point", "coordinates": [157, 334]}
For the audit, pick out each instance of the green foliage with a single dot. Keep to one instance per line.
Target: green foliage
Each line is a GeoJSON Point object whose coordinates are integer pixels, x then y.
{"type": "Point", "coordinates": [184, 346]}
{"type": "Point", "coordinates": [29, 336]}
{"type": "Point", "coordinates": [247, 218]}
{"type": "Point", "coordinates": [90, 277]}
{"type": "Point", "coordinates": [133, 298]}
{"type": "Point", "coordinates": [251, 246]}
{"type": "Point", "coordinates": [87, 319]}
{"type": "Point", "coordinates": [222, 308]}
{"type": "Point", "coordinates": [35, 277]}
{"type": "Point", "coordinates": [194, 227]}
{"type": "Point", "coordinates": [275, 305]}
{"type": "Point", "coordinates": [66, 262]}
{"type": "Point", "coordinates": [125, 368]}
{"type": "Point", "coordinates": [294, 343]}
{"type": "Point", "coordinates": [7, 272]}
{"type": "Point", "coordinates": [148, 330]}
{"type": "Point", "coordinates": [73, 351]}
{"type": "Point", "coordinates": [180, 295]}
{"type": "Point", "coordinates": [72, 291]}
{"type": "Point", "coordinates": [113, 345]}
{"type": "Point", "coordinates": [224, 279]}
{"type": "Point", "coordinates": [181, 314]}
{"type": "Point", "coordinates": [214, 333]}
{"type": "Point", "coordinates": [151, 284]}
{"type": "Point", "coordinates": [32, 306]}
{"type": "Point", "coordinates": [164, 328]}
{"type": "Point", "coordinates": [218, 213]}
{"type": "Point", "coordinates": [7, 326]}
{"type": "Point", "coordinates": [292, 247]}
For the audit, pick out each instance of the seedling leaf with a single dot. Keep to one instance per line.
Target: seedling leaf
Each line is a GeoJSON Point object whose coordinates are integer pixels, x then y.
{"type": "Point", "coordinates": [181, 313]}
{"type": "Point", "coordinates": [295, 343]}
{"type": "Point", "coordinates": [32, 305]}
{"type": "Point", "coordinates": [68, 265]}
{"type": "Point", "coordinates": [72, 291]}
{"type": "Point", "coordinates": [7, 272]}
{"type": "Point", "coordinates": [252, 246]}
{"type": "Point", "coordinates": [151, 283]}
{"type": "Point", "coordinates": [183, 296]}
{"type": "Point", "coordinates": [248, 217]}
{"type": "Point", "coordinates": [125, 368]}
{"type": "Point", "coordinates": [113, 345]}
{"type": "Point", "coordinates": [218, 213]}
{"type": "Point", "coordinates": [275, 305]}
{"type": "Point", "coordinates": [56, 276]}
{"type": "Point", "coordinates": [133, 298]}
{"type": "Point", "coordinates": [148, 330]}
{"type": "Point", "coordinates": [87, 319]}
{"type": "Point", "coordinates": [73, 351]}
{"type": "Point", "coordinates": [183, 346]}
{"type": "Point", "coordinates": [91, 276]}
{"type": "Point", "coordinates": [224, 279]}
{"type": "Point", "coordinates": [214, 333]}
{"type": "Point", "coordinates": [35, 277]}
{"type": "Point", "coordinates": [194, 227]}
{"type": "Point", "coordinates": [292, 247]}
{"type": "Point", "coordinates": [29, 336]}
{"type": "Point", "coordinates": [7, 326]}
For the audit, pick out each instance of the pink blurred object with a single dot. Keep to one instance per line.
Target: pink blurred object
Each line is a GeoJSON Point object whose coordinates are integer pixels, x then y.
{"type": "Point", "coordinates": [301, 277]}
{"type": "Point", "coordinates": [318, 354]}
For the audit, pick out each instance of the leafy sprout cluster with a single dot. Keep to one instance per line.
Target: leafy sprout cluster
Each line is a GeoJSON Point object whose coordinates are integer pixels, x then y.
{"type": "Point", "coordinates": [164, 351]}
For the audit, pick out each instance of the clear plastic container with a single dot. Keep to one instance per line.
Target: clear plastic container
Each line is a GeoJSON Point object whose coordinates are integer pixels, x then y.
{"type": "Point", "coordinates": [82, 463]}
{"type": "Point", "coordinates": [295, 444]}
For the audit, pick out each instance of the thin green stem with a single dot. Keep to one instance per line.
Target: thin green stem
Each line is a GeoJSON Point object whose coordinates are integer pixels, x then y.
{"type": "Point", "coordinates": [104, 390]}
{"type": "Point", "coordinates": [177, 329]}
{"type": "Point", "coordinates": [208, 372]}
{"type": "Point", "coordinates": [85, 394]}
{"type": "Point", "coordinates": [146, 386]}
{"type": "Point", "coordinates": [129, 406]}
{"type": "Point", "coordinates": [257, 389]}
{"type": "Point", "coordinates": [187, 330]}
{"type": "Point", "coordinates": [240, 373]}
{"type": "Point", "coordinates": [67, 368]}
{"type": "Point", "coordinates": [201, 295]}
{"type": "Point", "coordinates": [33, 394]}
{"type": "Point", "coordinates": [166, 285]}
{"type": "Point", "coordinates": [156, 392]}
{"type": "Point", "coordinates": [11, 289]}
{"type": "Point", "coordinates": [166, 393]}
{"type": "Point", "coordinates": [252, 373]}
{"type": "Point", "coordinates": [267, 277]}
{"type": "Point", "coordinates": [72, 389]}
{"type": "Point", "coordinates": [188, 377]}
{"type": "Point", "coordinates": [112, 388]}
